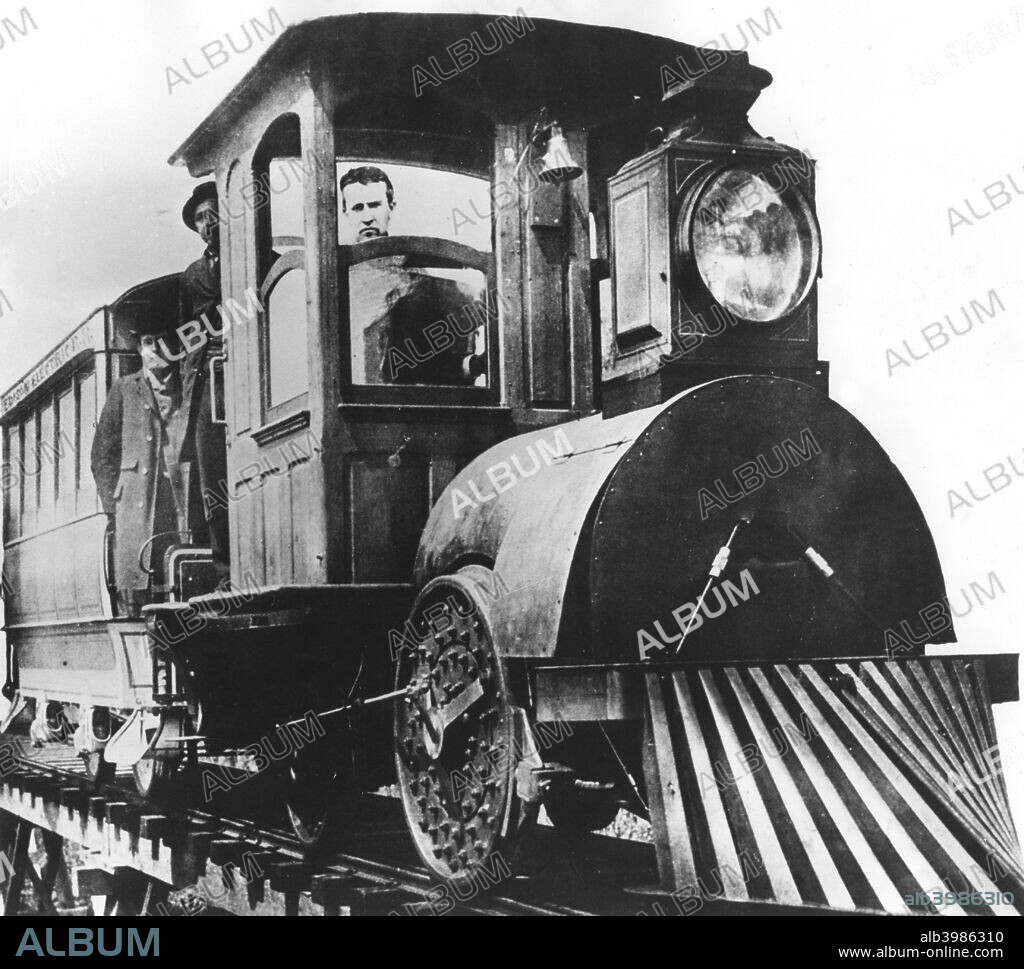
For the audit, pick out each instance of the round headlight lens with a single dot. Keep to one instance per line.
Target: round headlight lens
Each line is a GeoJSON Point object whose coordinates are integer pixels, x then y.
{"type": "Point", "coordinates": [756, 250]}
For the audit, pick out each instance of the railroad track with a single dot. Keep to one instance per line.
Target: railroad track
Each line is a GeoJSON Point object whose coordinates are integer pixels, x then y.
{"type": "Point", "coordinates": [251, 867]}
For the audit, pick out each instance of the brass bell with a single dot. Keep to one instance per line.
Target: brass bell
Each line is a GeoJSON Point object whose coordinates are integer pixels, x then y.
{"type": "Point", "coordinates": [558, 165]}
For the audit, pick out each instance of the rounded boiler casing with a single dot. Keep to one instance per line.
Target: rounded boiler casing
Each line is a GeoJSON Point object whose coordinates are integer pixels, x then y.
{"type": "Point", "coordinates": [601, 533]}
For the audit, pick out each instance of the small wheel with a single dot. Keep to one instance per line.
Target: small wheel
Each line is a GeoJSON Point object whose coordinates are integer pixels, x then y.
{"type": "Point", "coordinates": [97, 769]}
{"type": "Point", "coordinates": [58, 727]}
{"type": "Point", "coordinates": [319, 791]}
{"type": "Point", "coordinates": [156, 772]}
{"type": "Point", "coordinates": [573, 808]}
{"type": "Point", "coordinates": [455, 743]}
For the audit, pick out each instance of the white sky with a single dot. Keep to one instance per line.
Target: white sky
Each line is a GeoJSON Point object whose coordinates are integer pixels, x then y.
{"type": "Point", "coordinates": [893, 155]}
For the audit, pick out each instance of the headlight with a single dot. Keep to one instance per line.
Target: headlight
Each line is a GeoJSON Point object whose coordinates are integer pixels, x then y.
{"type": "Point", "coordinates": [756, 250]}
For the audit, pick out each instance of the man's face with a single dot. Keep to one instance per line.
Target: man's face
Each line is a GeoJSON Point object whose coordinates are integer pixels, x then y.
{"type": "Point", "coordinates": [366, 209]}
{"type": "Point", "coordinates": [151, 351]}
{"type": "Point", "coordinates": [205, 221]}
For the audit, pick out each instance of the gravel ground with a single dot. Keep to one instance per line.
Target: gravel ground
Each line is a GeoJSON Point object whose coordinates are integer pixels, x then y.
{"type": "Point", "coordinates": [626, 825]}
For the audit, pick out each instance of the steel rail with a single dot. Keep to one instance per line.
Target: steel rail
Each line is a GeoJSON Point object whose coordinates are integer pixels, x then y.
{"type": "Point", "coordinates": [393, 879]}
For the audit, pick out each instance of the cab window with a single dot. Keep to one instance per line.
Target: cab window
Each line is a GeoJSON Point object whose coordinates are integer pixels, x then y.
{"type": "Point", "coordinates": [416, 244]}
{"type": "Point", "coordinates": [417, 288]}
{"type": "Point", "coordinates": [279, 172]}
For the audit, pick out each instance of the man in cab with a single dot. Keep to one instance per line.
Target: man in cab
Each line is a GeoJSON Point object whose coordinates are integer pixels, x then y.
{"type": "Point", "coordinates": [392, 299]}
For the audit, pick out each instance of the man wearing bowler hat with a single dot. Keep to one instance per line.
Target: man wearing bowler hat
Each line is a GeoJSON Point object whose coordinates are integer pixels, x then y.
{"type": "Point", "coordinates": [139, 479]}
{"type": "Point", "coordinates": [199, 299]}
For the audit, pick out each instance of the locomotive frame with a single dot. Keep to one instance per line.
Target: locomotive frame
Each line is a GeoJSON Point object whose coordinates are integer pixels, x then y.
{"type": "Point", "coordinates": [585, 284]}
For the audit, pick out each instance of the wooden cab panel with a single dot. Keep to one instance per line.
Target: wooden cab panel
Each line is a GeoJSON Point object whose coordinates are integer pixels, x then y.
{"type": "Point", "coordinates": [274, 491]}
{"type": "Point", "coordinates": [544, 239]}
{"type": "Point", "coordinates": [388, 500]}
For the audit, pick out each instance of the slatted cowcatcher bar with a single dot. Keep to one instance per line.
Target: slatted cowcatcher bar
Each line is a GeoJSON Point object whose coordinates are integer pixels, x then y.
{"type": "Point", "coordinates": [857, 785]}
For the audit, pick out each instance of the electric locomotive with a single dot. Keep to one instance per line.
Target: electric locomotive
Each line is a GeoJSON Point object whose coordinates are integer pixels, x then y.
{"type": "Point", "coordinates": [598, 488]}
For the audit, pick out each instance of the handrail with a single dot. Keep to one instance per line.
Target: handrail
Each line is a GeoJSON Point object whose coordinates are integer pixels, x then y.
{"type": "Point", "coordinates": [216, 359]}
{"type": "Point", "coordinates": [22, 539]}
{"type": "Point", "coordinates": [149, 541]}
{"type": "Point", "coordinates": [108, 555]}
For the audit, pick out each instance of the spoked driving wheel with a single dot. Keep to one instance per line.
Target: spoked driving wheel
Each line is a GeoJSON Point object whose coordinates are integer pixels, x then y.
{"type": "Point", "coordinates": [455, 736]}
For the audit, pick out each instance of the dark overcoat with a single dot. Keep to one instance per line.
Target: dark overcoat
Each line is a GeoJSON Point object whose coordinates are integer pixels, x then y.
{"type": "Point", "coordinates": [126, 463]}
{"type": "Point", "coordinates": [204, 444]}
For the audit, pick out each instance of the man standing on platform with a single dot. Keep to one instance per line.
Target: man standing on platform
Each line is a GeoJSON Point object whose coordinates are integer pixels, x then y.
{"type": "Point", "coordinates": [199, 299]}
{"type": "Point", "coordinates": [139, 478]}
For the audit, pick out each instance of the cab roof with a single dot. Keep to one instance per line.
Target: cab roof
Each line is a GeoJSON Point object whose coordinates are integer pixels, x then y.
{"type": "Point", "coordinates": [587, 75]}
